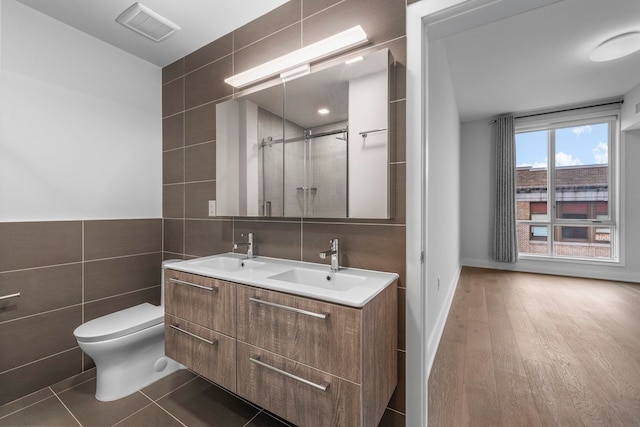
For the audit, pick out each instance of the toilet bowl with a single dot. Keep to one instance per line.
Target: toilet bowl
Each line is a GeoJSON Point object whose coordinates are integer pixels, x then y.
{"type": "Point", "coordinates": [128, 349]}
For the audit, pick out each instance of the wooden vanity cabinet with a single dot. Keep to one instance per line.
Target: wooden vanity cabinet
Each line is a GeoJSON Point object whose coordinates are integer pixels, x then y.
{"type": "Point", "coordinates": [201, 300]}
{"type": "Point", "coordinates": [316, 363]}
{"type": "Point", "coordinates": [311, 362]}
{"type": "Point", "coordinates": [200, 325]}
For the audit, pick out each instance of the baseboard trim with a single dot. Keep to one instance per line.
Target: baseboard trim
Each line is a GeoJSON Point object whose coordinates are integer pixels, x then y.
{"type": "Point", "coordinates": [438, 330]}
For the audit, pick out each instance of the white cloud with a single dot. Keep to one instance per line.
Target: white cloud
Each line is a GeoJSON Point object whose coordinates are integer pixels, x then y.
{"type": "Point", "coordinates": [535, 165]}
{"type": "Point", "coordinates": [601, 153]}
{"type": "Point", "coordinates": [539, 165]}
{"type": "Point", "coordinates": [578, 130]}
{"type": "Point", "coordinates": [564, 159]}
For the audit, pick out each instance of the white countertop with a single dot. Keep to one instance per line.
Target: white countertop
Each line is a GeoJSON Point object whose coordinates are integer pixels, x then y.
{"type": "Point", "coordinates": [349, 286]}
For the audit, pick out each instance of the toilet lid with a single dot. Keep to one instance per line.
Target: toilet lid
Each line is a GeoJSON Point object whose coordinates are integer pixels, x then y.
{"type": "Point", "coordinates": [120, 323]}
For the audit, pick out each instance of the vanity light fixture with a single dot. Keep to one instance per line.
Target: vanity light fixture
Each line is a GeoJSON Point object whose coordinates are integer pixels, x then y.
{"type": "Point", "coordinates": [294, 73]}
{"type": "Point", "coordinates": [323, 111]}
{"type": "Point", "coordinates": [617, 47]}
{"type": "Point", "coordinates": [347, 39]}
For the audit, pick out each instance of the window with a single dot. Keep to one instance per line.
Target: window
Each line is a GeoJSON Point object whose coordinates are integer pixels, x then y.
{"type": "Point", "coordinates": [565, 188]}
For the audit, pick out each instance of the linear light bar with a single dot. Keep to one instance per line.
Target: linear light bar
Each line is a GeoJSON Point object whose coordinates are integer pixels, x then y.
{"type": "Point", "coordinates": [341, 41]}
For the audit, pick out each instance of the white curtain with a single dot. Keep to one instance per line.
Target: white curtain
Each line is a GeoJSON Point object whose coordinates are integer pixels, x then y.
{"type": "Point", "coordinates": [505, 241]}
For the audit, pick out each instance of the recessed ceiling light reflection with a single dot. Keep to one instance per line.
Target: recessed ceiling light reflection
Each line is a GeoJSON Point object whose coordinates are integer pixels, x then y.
{"type": "Point", "coordinates": [323, 111]}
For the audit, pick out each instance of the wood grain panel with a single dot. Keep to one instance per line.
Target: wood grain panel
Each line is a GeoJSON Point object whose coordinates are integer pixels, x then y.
{"type": "Point", "coordinates": [216, 362]}
{"type": "Point", "coordinates": [379, 359]}
{"type": "Point", "coordinates": [332, 345]}
{"type": "Point", "coordinates": [293, 400]}
{"type": "Point", "coordinates": [213, 309]}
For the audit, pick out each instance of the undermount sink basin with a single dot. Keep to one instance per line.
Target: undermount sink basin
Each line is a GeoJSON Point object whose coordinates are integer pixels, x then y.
{"type": "Point", "coordinates": [226, 264]}
{"type": "Point", "coordinates": [322, 279]}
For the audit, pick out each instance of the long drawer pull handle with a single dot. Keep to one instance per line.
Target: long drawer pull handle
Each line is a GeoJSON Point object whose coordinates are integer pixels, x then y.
{"type": "Point", "coordinates": [293, 309]}
{"type": "Point", "coordinates": [182, 282]}
{"type": "Point", "coordinates": [17, 294]}
{"type": "Point", "coordinates": [257, 361]}
{"type": "Point", "coordinates": [193, 335]}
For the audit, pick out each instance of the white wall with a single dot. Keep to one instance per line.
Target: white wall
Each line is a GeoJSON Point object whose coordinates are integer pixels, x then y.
{"type": "Point", "coordinates": [80, 124]}
{"type": "Point", "coordinates": [443, 244]}
{"type": "Point", "coordinates": [477, 192]}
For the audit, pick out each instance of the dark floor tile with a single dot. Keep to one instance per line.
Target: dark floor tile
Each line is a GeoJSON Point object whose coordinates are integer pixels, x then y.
{"type": "Point", "coordinates": [152, 415]}
{"type": "Point", "coordinates": [82, 402]}
{"type": "Point", "coordinates": [201, 403]}
{"type": "Point", "coordinates": [265, 419]}
{"type": "Point", "coordinates": [49, 412]}
{"type": "Point", "coordinates": [392, 419]}
{"type": "Point", "coordinates": [168, 384]}
{"type": "Point", "coordinates": [22, 403]}
{"type": "Point", "coordinates": [74, 381]}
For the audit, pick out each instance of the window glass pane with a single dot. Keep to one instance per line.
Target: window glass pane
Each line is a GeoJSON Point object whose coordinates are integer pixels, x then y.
{"type": "Point", "coordinates": [582, 172]}
{"type": "Point", "coordinates": [582, 242]}
{"type": "Point", "coordinates": [531, 175]}
{"type": "Point", "coordinates": [533, 239]}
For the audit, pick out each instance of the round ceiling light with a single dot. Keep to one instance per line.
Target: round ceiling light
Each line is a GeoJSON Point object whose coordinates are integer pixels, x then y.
{"type": "Point", "coordinates": [617, 47]}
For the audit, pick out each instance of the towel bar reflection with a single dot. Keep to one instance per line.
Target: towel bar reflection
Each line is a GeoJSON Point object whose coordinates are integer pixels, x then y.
{"type": "Point", "coordinates": [366, 132]}
{"type": "Point", "coordinates": [17, 294]}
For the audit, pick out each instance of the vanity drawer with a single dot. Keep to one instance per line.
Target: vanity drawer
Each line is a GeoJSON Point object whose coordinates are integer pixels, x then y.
{"type": "Point", "coordinates": [293, 391]}
{"type": "Point", "coordinates": [201, 300]}
{"type": "Point", "coordinates": [319, 334]}
{"type": "Point", "coordinates": [202, 350]}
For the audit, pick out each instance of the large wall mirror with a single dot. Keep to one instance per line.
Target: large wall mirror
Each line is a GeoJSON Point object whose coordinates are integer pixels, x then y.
{"type": "Point", "coordinates": [315, 146]}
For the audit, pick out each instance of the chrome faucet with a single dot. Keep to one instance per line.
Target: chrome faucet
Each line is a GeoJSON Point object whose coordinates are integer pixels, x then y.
{"type": "Point", "coordinates": [248, 244]}
{"type": "Point", "coordinates": [334, 255]}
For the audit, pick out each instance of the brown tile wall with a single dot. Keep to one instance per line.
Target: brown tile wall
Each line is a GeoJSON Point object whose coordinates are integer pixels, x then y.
{"type": "Point", "coordinates": [67, 272]}
{"type": "Point", "coordinates": [193, 85]}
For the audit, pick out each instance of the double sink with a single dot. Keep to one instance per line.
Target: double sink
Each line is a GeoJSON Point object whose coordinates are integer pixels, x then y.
{"type": "Point", "coordinates": [348, 286]}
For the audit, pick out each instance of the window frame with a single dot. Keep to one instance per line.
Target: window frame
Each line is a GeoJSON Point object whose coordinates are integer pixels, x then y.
{"type": "Point", "coordinates": [562, 120]}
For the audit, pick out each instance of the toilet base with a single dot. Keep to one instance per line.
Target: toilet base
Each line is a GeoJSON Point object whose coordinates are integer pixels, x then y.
{"type": "Point", "coordinates": [128, 364]}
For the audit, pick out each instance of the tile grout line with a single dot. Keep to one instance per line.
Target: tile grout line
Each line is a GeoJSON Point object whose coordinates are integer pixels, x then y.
{"type": "Point", "coordinates": [170, 414]}
{"type": "Point", "coordinates": [65, 406]}
{"type": "Point", "coordinates": [25, 407]}
{"type": "Point", "coordinates": [39, 360]}
{"type": "Point", "coordinates": [248, 423]}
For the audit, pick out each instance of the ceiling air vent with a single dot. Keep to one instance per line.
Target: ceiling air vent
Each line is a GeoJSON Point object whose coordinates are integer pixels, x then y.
{"type": "Point", "coordinates": [145, 21]}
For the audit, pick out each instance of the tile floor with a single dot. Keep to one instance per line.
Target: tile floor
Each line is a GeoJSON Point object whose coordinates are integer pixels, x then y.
{"type": "Point", "coordinates": [181, 399]}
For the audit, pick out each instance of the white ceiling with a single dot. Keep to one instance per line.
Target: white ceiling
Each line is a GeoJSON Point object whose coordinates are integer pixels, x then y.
{"type": "Point", "coordinates": [202, 21]}
{"type": "Point", "coordinates": [540, 59]}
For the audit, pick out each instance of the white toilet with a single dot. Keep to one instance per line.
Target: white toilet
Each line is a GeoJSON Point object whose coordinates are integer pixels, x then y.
{"type": "Point", "coordinates": [128, 348]}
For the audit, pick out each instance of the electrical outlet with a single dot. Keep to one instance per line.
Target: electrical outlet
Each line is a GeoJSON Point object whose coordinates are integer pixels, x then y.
{"type": "Point", "coordinates": [212, 208]}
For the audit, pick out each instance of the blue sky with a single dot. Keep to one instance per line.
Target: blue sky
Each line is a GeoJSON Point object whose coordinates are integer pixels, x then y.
{"type": "Point", "coordinates": [579, 145]}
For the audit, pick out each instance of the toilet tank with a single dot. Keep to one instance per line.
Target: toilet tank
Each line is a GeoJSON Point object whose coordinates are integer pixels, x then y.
{"type": "Point", "coordinates": [165, 263]}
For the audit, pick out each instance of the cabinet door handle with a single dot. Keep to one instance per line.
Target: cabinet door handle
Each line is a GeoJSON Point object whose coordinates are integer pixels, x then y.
{"type": "Point", "coordinates": [182, 282]}
{"type": "Point", "coordinates": [193, 335]}
{"type": "Point", "coordinates": [293, 309]}
{"type": "Point", "coordinates": [257, 361]}
{"type": "Point", "coordinates": [17, 294]}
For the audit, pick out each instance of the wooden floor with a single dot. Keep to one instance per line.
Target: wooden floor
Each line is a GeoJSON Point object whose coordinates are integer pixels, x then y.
{"type": "Point", "coordinates": [535, 350]}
